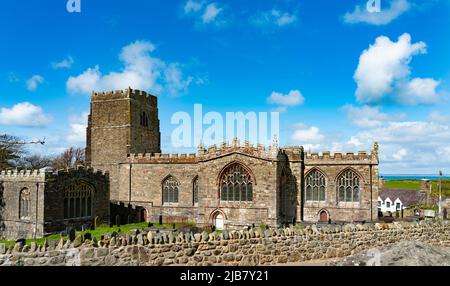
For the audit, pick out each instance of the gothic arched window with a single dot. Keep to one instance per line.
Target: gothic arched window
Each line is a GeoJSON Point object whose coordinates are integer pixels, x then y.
{"type": "Point", "coordinates": [236, 184]}
{"type": "Point", "coordinates": [170, 188]}
{"type": "Point", "coordinates": [78, 200]}
{"type": "Point", "coordinates": [315, 186]}
{"type": "Point", "coordinates": [348, 186]}
{"type": "Point", "coordinates": [195, 190]}
{"type": "Point", "coordinates": [24, 204]}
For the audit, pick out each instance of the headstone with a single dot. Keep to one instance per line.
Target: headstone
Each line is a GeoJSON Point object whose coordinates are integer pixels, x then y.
{"type": "Point", "coordinates": [77, 241]}
{"type": "Point", "coordinates": [72, 233]}
{"type": "Point", "coordinates": [87, 236]}
{"type": "Point", "coordinates": [205, 236]}
{"type": "Point", "coordinates": [118, 220]}
{"type": "Point", "coordinates": [226, 235]}
{"type": "Point", "coordinates": [21, 241]}
{"type": "Point", "coordinates": [150, 237]}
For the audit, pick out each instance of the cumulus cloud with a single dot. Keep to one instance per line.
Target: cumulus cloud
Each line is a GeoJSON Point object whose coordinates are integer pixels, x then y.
{"type": "Point", "coordinates": [206, 13]}
{"type": "Point", "coordinates": [307, 135]}
{"type": "Point", "coordinates": [65, 63]}
{"type": "Point", "coordinates": [141, 71]}
{"type": "Point", "coordinates": [368, 116]}
{"type": "Point", "coordinates": [274, 17]}
{"type": "Point", "coordinates": [34, 82]}
{"type": "Point", "coordinates": [77, 129]}
{"type": "Point", "coordinates": [438, 117]}
{"type": "Point", "coordinates": [386, 15]}
{"type": "Point", "coordinates": [24, 114]}
{"type": "Point", "coordinates": [192, 6]}
{"type": "Point", "coordinates": [294, 97]}
{"type": "Point", "coordinates": [383, 72]}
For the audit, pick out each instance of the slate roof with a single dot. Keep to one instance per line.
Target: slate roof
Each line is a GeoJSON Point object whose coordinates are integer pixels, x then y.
{"type": "Point", "coordinates": [407, 197]}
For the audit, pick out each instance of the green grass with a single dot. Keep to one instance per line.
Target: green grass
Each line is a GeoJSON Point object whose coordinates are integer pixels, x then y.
{"type": "Point", "coordinates": [403, 184]}
{"type": "Point", "coordinates": [415, 185]}
{"type": "Point", "coordinates": [102, 230]}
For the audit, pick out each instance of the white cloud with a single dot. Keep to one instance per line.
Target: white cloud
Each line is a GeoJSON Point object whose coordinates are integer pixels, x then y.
{"type": "Point", "coordinates": [438, 117]}
{"type": "Point", "coordinates": [294, 97]}
{"type": "Point", "coordinates": [24, 114]}
{"type": "Point", "coordinates": [65, 63]}
{"type": "Point", "coordinates": [369, 117]}
{"type": "Point", "coordinates": [307, 135]}
{"type": "Point", "coordinates": [206, 13]}
{"type": "Point", "coordinates": [274, 17]}
{"type": "Point", "coordinates": [211, 12]}
{"type": "Point", "coordinates": [34, 82]}
{"type": "Point", "coordinates": [383, 73]}
{"type": "Point", "coordinates": [77, 125]}
{"type": "Point", "coordinates": [141, 71]}
{"type": "Point", "coordinates": [385, 16]}
{"type": "Point", "coordinates": [419, 90]}
{"type": "Point", "coordinates": [192, 6]}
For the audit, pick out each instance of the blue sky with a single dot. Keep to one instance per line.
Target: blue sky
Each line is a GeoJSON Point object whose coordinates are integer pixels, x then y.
{"type": "Point", "coordinates": [342, 77]}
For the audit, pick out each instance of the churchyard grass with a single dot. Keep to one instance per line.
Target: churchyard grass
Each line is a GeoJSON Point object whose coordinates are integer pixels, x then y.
{"type": "Point", "coordinates": [103, 230]}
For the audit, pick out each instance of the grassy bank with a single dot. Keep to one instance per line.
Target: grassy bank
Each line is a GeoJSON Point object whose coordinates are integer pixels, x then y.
{"type": "Point", "coordinates": [102, 230]}
{"type": "Point", "coordinates": [415, 185]}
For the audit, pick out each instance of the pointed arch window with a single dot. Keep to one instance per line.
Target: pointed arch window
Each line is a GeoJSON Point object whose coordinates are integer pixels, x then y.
{"type": "Point", "coordinates": [171, 188]}
{"type": "Point", "coordinates": [78, 200]}
{"type": "Point", "coordinates": [315, 186]}
{"type": "Point", "coordinates": [348, 186]}
{"type": "Point", "coordinates": [195, 189]}
{"type": "Point", "coordinates": [236, 184]}
{"type": "Point", "coordinates": [24, 204]}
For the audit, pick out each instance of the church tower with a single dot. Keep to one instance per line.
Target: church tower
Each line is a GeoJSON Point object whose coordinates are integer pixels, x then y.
{"type": "Point", "coordinates": [120, 123]}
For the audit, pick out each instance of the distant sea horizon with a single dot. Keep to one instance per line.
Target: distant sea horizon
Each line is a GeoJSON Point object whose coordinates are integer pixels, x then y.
{"type": "Point", "coordinates": [390, 177]}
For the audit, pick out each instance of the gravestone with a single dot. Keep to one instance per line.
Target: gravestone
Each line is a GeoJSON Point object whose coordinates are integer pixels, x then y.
{"type": "Point", "coordinates": [87, 236]}
{"type": "Point", "coordinates": [118, 220]}
{"type": "Point", "coordinates": [72, 233]}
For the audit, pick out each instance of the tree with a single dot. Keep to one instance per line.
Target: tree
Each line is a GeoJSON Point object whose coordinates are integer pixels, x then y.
{"type": "Point", "coordinates": [35, 162]}
{"type": "Point", "coordinates": [70, 158]}
{"type": "Point", "coordinates": [10, 150]}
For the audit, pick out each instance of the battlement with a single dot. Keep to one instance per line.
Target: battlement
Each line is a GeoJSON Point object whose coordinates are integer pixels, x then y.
{"type": "Point", "coordinates": [162, 158]}
{"type": "Point", "coordinates": [15, 173]}
{"type": "Point", "coordinates": [121, 94]}
{"type": "Point", "coordinates": [46, 173]}
{"type": "Point", "coordinates": [211, 152]}
{"type": "Point", "coordinates": [362, 156]}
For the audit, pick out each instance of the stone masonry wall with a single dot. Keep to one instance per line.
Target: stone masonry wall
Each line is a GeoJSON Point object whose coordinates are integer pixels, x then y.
{"type": "Point", "coordinates": [253, 247]}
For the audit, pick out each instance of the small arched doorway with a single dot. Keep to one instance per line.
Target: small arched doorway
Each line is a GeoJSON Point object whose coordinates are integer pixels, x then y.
{"type": "Point", "coordinates": [218, 221]}
{"type": "Point", "coordinates": [323, 216]}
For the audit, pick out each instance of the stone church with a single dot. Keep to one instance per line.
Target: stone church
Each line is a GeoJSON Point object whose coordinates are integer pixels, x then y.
{"type": "Point", "coordinates": [232, 185]}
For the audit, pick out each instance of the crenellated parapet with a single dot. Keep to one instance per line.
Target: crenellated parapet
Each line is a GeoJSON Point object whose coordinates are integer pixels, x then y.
{"type": "Point", "coordinates": [46, 173]}
{"type": "Point", "coordinates": [13, 174]}
{"type": "Point", "coordinates": [209, 153]}
{"type": "Point", "coordinates": [161, 158]}
{"type": "Point", "coordinates": [122, 94]}
{"type": "Point", "coordinates": [361, 157]}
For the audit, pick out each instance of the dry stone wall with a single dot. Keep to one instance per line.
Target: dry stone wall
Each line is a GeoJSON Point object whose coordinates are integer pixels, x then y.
{"type": "Point", "coordinates": [247, 248]}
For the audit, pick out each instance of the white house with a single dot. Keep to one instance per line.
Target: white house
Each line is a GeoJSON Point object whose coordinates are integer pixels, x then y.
{"type": "Point", "coordinates": [390, 205]}
{"type": "Point", "coordinates": [393, 200]}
